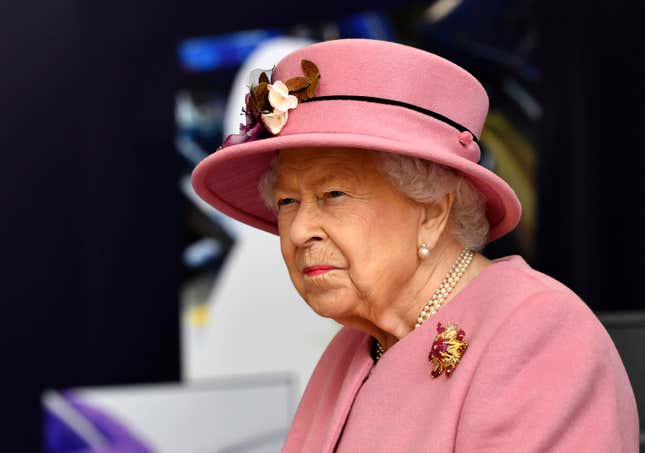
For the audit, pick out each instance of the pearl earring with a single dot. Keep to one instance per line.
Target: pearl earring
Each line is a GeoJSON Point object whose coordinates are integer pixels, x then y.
{"type": "Point", "coordinates": [423, 251]}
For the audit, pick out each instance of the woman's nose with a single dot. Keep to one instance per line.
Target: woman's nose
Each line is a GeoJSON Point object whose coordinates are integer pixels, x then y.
{"type": "Point", "coordinates": [306, 225]}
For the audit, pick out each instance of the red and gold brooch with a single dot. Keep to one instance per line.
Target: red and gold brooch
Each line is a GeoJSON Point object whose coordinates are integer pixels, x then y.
{"type": "Point", "coordinates": [447, 349]}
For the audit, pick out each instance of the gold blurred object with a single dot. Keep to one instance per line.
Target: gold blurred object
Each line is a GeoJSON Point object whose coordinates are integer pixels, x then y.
{"type": "Point", "coordinates": [440, 9]}
{"type": "Point", "coordinates": [199, 315]}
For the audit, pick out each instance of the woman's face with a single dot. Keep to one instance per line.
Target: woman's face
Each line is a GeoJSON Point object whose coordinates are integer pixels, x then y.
{"type": "Point", "coordinates": [348, 238]}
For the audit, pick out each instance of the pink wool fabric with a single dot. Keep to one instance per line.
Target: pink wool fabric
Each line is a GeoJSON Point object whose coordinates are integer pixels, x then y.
{"type": "Point", "coordinates": [228, 178]}
{"type": "Point", "coordinates": [540, 374]}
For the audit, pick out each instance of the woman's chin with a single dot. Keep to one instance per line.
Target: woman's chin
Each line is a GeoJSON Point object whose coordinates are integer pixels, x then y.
{"type": "Point", "coordinates": [329, 306]}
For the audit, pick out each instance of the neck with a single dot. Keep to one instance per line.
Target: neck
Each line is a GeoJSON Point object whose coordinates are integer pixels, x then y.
{"type": "Point", "coordinates": [398, 319]}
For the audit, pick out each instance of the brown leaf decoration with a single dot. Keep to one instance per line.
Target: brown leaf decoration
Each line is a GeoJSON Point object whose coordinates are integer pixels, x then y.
{"type": "Point", "coordinates": [310, 69]}
{"type": "Point", "coordinates": [311, 89]}
{"type": "Point", "coordinates": [264, 78]}
{"type": "Point", "coordinates": [297, 83]}
{"type": "Point", "coordinates": [251, 105]}
{"type": "Point", "coordinates": [261, 94]}
{"type": "Point", "coordinates": [301, 95]}
{"type": "Point", "coordinates": [260, 88]}
{"type": "Point", "coordinates": [264, 105]}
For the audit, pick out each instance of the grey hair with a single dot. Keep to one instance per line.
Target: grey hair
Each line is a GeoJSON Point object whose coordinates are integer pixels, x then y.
{"type": "Point", "coordinates": [424, 182]}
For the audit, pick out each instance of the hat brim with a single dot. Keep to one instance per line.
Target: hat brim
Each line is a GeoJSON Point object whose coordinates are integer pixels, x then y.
{"type": "Point", "coordinates": [228, 179]}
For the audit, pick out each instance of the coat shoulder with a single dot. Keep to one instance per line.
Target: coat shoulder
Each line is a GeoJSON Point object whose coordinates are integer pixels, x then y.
{"type": "Point", "coordinates": [546, 362]}
{"type": "Point", "coordinates": [518, 291]}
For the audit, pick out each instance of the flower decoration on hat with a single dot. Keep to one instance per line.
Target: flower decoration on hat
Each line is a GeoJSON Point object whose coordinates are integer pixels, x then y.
{"type": "Point", "coordinates": [447, 349]}
{"type": "Point", "coordinates": [267, 104]}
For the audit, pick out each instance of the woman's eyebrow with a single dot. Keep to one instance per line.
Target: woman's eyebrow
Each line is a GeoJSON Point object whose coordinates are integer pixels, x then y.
{"type": "Point", "coordinates": [342, 176]}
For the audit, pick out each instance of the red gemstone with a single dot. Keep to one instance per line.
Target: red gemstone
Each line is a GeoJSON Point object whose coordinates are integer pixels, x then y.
{"type": "Point", "coordinates": [440, 328]}
{"type": "Point", "coordinates": [438, 347]}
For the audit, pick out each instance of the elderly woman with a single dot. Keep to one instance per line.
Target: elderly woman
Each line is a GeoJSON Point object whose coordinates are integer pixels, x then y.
{"type": "Point", "coordinates": [363, 156]}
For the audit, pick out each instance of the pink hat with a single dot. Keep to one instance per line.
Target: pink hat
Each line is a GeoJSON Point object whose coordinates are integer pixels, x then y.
{"type": "Point", "coordinates": [358, 93]}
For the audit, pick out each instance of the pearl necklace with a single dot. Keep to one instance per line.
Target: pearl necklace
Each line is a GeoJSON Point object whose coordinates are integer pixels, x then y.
{"type": "Point", "coordinates": [440, 294]}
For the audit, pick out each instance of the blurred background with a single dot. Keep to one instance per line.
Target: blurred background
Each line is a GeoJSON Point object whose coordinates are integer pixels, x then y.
{"type": "Point", "coordinates": [136, 318]}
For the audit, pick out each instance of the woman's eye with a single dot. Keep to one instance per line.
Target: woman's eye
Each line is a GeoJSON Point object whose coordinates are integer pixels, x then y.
{"type": "Point", "coordinates": [285, 201]}
{"type": "Point", "coordinates": [335, 193]}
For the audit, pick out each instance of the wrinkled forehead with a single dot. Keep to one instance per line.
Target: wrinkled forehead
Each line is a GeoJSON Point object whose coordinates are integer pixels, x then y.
{"type": "Point", "coordinates": [316, 165]}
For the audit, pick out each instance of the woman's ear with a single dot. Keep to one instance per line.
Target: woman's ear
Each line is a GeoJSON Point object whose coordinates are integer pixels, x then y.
{"type": "Point", "coordinates": [435, 219]}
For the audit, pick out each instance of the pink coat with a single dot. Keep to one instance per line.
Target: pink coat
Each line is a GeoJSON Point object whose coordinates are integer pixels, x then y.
{"type": "Point", "coordinates": [540, 374]}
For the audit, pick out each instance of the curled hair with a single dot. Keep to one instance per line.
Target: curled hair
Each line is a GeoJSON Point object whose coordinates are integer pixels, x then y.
{"type": "Point", "coordinates": [424, 182]}
{"type": "Point", "coordinates": [266, 184]}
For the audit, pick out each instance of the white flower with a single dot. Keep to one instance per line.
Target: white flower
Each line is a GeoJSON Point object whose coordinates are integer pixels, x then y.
{"type": "Point", "coordinates": [281, 101]}
{"type": "Point", "coordinates": [279, 97]}
{"type": "Point", "coordinates": [275, 121]}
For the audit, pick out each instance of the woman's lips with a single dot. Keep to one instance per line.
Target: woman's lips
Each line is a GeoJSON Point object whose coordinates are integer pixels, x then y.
{"type": "Point", "coordinates": [312, 271]}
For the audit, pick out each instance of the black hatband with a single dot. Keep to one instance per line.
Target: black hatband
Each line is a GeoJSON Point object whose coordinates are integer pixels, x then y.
{"type": "Point", "coordinates": [416, 108]}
